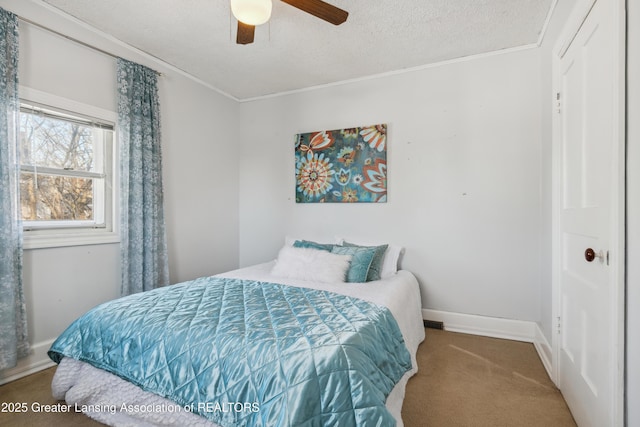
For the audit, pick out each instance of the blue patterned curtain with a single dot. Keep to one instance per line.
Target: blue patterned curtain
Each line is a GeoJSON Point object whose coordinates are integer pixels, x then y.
{"type": "Point", "coordinates": [14, 342]}
{"type": "Point", "coordinates": [143, 241]}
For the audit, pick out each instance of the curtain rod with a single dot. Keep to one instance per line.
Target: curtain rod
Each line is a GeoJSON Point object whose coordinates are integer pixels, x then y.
{"type": "Point", "coordinates": [80, 42]}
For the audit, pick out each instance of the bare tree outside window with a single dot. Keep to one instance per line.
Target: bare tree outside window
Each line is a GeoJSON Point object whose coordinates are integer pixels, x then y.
{"type": "Point", "coordinates": [61, 167]}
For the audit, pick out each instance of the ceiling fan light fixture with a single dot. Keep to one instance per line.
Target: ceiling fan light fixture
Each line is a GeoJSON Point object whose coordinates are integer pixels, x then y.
{"type": "Point", "coordinates": [251, 12]}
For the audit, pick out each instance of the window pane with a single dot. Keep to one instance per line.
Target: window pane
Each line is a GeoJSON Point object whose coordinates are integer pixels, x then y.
{"type": "Point", "coordinates": [45, 197]}
{"type": "Point", "coordinates": [56, 143]}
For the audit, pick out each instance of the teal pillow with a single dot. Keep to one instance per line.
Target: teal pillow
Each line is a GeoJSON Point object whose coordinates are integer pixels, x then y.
{"type": "Point", "coordinates": [375, 271]}
{"type": "Point", "coordinates": [361, 259]}
{"type": "Point", "coordinates": [313, 245]}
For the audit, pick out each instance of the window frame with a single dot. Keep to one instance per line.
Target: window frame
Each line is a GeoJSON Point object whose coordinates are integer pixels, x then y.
{"type": "Point", "coordinates": [64, 233]}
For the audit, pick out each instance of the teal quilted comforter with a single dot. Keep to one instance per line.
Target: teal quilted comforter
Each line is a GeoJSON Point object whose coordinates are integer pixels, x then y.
{"type": "Point", "coordinates": [247, 353]}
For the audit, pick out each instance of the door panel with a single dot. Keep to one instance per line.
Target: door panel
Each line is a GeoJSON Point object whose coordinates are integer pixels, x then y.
{"type": "Point", "coordinates": [588, 76]}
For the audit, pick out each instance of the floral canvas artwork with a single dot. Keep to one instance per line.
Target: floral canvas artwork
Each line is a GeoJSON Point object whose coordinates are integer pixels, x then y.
{"type": "Point", "coordinates": [342, 166]}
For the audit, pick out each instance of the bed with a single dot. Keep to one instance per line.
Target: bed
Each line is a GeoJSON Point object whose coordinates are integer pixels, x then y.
{"type": "Point", "coordinates": [320, 351]}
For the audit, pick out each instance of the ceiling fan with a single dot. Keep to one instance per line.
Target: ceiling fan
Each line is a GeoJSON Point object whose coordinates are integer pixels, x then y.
{"type": "Point", "coordinates": [250, 13]}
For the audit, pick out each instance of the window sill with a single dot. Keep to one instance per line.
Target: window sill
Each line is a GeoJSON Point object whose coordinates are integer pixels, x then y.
{"type": "Point", "coordinates": [59, 240]}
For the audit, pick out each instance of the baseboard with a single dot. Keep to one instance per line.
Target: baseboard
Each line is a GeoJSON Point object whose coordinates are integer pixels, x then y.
{"type": "Point", "coordinates": [544, 351]}
{"type": "Point", "coordinates": [36, 361]}
{"type": "Point", "coordinates": [517, 330]}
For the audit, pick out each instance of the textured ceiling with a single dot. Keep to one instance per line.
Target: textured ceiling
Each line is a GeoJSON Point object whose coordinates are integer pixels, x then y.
{"type": "Point", "coordinates": [295, 50]}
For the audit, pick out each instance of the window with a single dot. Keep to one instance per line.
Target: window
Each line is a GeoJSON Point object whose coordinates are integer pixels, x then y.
{"type": "Point", "coordinates": [66, 177]}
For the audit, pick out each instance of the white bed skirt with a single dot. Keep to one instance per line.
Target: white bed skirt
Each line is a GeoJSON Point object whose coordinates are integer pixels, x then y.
{"type": "Point", "coordinates": [111, 400]}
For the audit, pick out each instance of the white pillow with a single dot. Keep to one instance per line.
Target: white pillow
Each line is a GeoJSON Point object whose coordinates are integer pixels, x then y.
{"type": "Point", "coordinates": [311, 264]}
{"type": "Point", "coordinates": [391, 255]}
{"type": "Point", "coordinates": [391, 258]}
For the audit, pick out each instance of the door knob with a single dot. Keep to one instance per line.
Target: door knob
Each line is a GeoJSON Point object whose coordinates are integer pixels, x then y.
{"type": "Point", "coordinates": [590, 255]}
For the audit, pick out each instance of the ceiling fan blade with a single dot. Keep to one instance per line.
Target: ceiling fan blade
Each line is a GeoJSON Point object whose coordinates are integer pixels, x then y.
{"type": "Point", "coordinates": [245, 33]}
{"type": "Point", "coordinates": [321, 9]}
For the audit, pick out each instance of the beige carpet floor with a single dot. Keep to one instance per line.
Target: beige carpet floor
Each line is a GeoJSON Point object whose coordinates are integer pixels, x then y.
{"type": "Point", "coordinates": [463, 380]}
{"type": "Point", "coordinates": [466, 380]}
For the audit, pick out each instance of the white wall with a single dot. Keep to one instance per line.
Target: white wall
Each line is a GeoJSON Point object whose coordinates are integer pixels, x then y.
{"type": "Point", "coordinates": [200, 175]}
{"type": "Point", "coordinates": [633, 214]}
{"type": "Point", "coordinates": [463, 169]}
{"type": "Point", "coordinates": [200, 180]}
